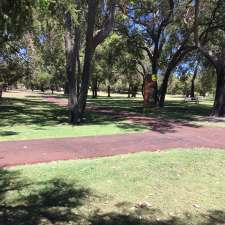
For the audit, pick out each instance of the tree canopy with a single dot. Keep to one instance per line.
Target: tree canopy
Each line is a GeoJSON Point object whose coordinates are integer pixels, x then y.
{"type": "Point", "coordinates": [77, 45]}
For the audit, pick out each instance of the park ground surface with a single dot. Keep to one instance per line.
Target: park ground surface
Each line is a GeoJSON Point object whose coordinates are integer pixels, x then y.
{"type": "Point", "coordinates": [180, 186]}
{"type": "Point", "coordinates": [27, 115]}
{"type": "Point", "coordinates": [162, 188]}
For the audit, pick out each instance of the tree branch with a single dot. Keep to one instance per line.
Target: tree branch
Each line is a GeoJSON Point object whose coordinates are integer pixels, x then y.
{"type": "Point", "coordinates": [107, 27]}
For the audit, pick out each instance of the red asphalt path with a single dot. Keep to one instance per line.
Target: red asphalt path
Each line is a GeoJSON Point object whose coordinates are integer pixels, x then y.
{"type": "Point", "coordinates": [35, 151]}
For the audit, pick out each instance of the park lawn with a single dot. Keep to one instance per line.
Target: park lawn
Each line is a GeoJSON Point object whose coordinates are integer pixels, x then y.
{"type": "Point", "coordinates": [176, 187]}
{"type": "Point", "coordinates": [34, 118]}
{"type": "Point", "coordinates": [28, 116]}
{"type": "Point", "coordinates": [175, 109]}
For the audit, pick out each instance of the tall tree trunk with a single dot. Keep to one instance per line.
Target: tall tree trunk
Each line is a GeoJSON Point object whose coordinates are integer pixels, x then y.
{"type": "Point", "coordinates": [70, 70]}
{"type": "Point", "coordinates": [129, 91]}
{"type": "Point", "coordinates": [163, 89]}
{"type": "Point", "coordinates": [92, 41]}
{"type": "Point", "coordinates": [155, 92]}
{"type": "Point", "coordinates": [1, 90]}
{"type": "Point", "coordinates": [93, 92]}
{"type": "Point", "coordinates": [66, 88]}
{"type": "Point", "coordinates": [42, 88]}
{"type": "Point", "coordinates": [109, 91]}
{"type": "Point", "coordinates": [177, 57]}
{"type": "Point", "coordinates": [89, 52]}
{"type": "Point", "coordinates": [142, 88]}
{"type": "Point", "coordinates": [78, 74]}
{"type": "Point", "coordinates": [193, 82]}
{"type": "Point", "coordinates": [77, 47]}
{"type": "Point", "coordinates": [94, 88]}
{"type": "Point", "coordinates": [134, 91]}
{"type": "Point", "coordinates": [85, 78]}
{"type": "Point", "coordinates": [219, 102]}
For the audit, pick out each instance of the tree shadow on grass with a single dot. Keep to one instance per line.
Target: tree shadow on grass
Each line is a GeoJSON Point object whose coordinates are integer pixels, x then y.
{"type": "Point", "coordinates": [31, 112]}
{"type": "Point", "coordinates": [8, 133]}
{"type": "Point", "coordinates": [140, 121]}
{"type": "Point", "coordinates": [175, 114]}
{"type": "Point", "coordinates": [214, 218]}
{"type": "Point", "coordinates": [59, 202]}
{"type": "Point", "coordinates": [151, 217]}
{"type": "Point", "coordinates": [34, 112]}
{"type": "Point", "coordinates": [126, 114]}
{"type": "Point", "coordinates": [51, 202]}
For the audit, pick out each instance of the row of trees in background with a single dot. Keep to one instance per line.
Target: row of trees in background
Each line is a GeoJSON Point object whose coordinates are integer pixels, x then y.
{"type": "Point", "coordinates": [113, 45]}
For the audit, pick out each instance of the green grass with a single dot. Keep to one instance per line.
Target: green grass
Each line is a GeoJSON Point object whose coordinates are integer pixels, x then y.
{"type": "Point", "coordinates": [165, 188]}
{"type": "Point", "coordinates": [33, 118]}
{"type": "Point", "coordinates": [175, 109]}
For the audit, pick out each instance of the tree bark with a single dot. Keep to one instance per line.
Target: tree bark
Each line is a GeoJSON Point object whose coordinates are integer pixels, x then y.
{"type": "Point", "coordinates": [109, 91]}
{"type": "Point", "coordinates": [129, 91]}
{"type": "Point", "coordinates": [1, 90]}
{"type": "Point", "coordinates": [70, 70]}
{"type": "Point", "coordinates": [77, 47]}
{"type": "Point", "coordinates": [94, 88]}
{"type": "Point", "coordinates": [219, 102]}
{"type": "Point", "coordinates": [193, 81]}
{"type": "Point", "coordinates": [86, 77]}
{"type": "Point", "coordinates": [142, 88]}
{"type": "Point", "coordinates": [66, 88]}
{"type": "Point", "coordinates": [77, 105]}
{"type": "Point", "coordinates": [92, 41]}
{"type": "Point", "coordinates": [155, 72]}
{"type": "Point", "coordinates": [163, 89]}
{"type": "Point", "coordinates": [177, 57]}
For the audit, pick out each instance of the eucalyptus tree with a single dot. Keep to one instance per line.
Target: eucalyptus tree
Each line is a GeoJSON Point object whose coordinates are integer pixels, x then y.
{"type": "Point", "coordinates": [160, 31]}
{"type": "Point", "coordinates": [100, 15]}
{"type": "Point", "coordinates": [209, 37]}
{"type": "Point", "coordinates": [99, 23]}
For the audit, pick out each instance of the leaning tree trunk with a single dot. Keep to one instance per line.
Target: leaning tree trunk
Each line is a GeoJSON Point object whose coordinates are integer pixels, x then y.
{"type": "Point", "coordinates": [142, 88]}
{"type": "Point", "coordinates": [175, 60]}
{"type": "Point", "coordinates": [163, 89]}
{"type": "Point", "coordinates": [85, 79]}
{"type": "Point", "coordinates": [219, 102]}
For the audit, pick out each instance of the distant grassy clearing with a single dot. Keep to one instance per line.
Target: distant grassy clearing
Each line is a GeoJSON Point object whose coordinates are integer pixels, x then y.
{"type": "Point", "coordinates": [175, 187]}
